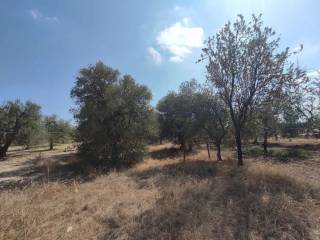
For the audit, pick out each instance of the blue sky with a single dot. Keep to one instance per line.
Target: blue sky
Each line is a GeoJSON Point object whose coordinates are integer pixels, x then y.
{"type": "Point", "coordinates": [43, 44]}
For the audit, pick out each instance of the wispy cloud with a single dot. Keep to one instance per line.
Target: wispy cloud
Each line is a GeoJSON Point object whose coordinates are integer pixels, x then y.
{"type": "Point", "coordinates": [180, 39]}
{"type": "Point", "coordinates": [37, 15]}
{"type": "Point", "coordinates": [155, 55]}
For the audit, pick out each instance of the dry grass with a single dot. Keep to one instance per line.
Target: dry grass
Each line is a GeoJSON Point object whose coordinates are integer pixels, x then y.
{"type": "Point", "coordinates": [164, 198]}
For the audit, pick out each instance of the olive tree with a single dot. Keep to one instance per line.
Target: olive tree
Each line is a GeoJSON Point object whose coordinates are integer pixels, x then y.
{"type": "Point", "coordinates": [211, 116]}
{"type": "Point", "coordinates": [246, 67]}
{"type": "Point", "coordinates": [16, 118]}
{"type": "Point", "coordinates": [177, 119]}
{"type": "Point", "coordinates": [58, 130]}
{"type": "Point", "coordinates": [30, 131]}
{"type": "Point", "coordinates": [112, 113]}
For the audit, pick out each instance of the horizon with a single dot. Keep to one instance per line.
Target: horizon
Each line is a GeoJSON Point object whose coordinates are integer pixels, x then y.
{"type": "Point", "coordinates": [45, 44]}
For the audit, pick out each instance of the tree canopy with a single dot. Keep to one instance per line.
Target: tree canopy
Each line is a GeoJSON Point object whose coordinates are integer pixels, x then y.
{"type": "Point", "coordinates": [247, 67]}
{"type": "Point", "coordinates": [16, 118]}
{"type": "Point", "coordinates": [112, 113]}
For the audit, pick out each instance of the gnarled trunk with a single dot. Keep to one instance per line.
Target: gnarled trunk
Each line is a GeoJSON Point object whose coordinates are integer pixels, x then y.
{"type": "Point", "coordinates": [3, 153]}
{"type": "Point", "coordinates": [4, 149]}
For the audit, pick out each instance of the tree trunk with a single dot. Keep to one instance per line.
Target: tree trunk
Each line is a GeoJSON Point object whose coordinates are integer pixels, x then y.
{"type": "Point", "coordinates": [239, 147]}
{"type": "Point", "coordinates": [208, 149]}
{"type": "Point", "coordinates": [3, 153]}
{"type": "Point", "coordinates": [265, 142]}
{"type": "Point", "coordinates": [218, 145]}
{"type": "Point", "coordinates": [160, 140]}
{"type": "Point", "coordinates": [255, 141]}
{"type": "Point", "coordinates": [190, 146]}
{"type": "Point", "coordinates": [4, 149]}
{"type": "Point", "coordinates": [184, 152]}
{"type": "Point", "coordinates": [51, 145]}
{"type": "Point", "coordinates": [308, 130]}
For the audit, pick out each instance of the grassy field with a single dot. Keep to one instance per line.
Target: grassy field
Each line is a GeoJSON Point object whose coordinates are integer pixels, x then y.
{"type": "Point", "coordinates": [44, 195]}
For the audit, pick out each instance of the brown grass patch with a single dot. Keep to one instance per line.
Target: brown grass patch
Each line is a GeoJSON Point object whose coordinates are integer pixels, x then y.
{"type": "Point", "coordinates": [168, 199]}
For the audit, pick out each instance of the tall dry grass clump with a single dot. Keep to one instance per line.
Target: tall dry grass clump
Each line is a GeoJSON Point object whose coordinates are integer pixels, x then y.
{"type": "Point", "coordinates": [74, 211]}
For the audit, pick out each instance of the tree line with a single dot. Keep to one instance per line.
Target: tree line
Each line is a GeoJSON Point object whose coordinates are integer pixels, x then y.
{"type": "Point", "coordinates": [253, 91]}
{"type": "Point", "coordinates": [23, 124]}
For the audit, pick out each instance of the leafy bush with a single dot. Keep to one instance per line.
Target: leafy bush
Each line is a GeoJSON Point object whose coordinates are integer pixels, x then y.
{"type": "Point", "coordinates": [286, 154]}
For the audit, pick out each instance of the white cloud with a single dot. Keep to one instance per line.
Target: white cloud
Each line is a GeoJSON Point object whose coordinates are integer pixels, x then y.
{"type": "Point", "coordinates": [176, 59]}
{"type": "Point", "coordinates": [179, 39]}
{"type": "Point", "coordinates": [314, 74]}
{"type": "Point", "coordinates": [155, 55]}
{"type": "Point", "coordinates": [37, 15]}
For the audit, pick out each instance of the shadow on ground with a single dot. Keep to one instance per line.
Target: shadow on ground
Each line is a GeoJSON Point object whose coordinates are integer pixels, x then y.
{"type": "Point", "coordinates": [283, 153]}
{"type": "Point", "coordinates": [308, 147]}
{"type": "Point", "coordinates": [61, 168]}
{"type": "Point", "coordinates": [162, 175]}
{"type": "Point", "coordinates": [169, 153]}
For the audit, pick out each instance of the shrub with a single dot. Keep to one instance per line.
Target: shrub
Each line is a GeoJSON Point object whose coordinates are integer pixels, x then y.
{"type": "Point", "coordinates": [286, 154]}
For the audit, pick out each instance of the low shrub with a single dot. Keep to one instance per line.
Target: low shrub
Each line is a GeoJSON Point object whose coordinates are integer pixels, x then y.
{"type": "Point", "coordinates": [286, 154]}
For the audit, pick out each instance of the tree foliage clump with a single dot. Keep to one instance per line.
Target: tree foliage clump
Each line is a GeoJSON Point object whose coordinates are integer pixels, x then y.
{"type": "Point", "coordinates": [193, 114]}
{"type": "Point", "coordinates": [212, 118]}
{"type": "Point", "coordinates": [112, 114]}
{"type": "Point", "coordinates": [17, 120]}
{"type": "Point", "coordinates": [177, 119]}
{"type": "Point", "coordinates": [58, 130]}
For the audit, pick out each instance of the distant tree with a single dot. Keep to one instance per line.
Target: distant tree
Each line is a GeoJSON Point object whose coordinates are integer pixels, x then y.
{"type": "Point", "coordinates": [154, 128]}
{"type": "Point", "coordinates": [31, 130]}
{"type": "Point", "coordinates": [246, 67]}
{"type": "Point", "coordinates": [15, 116]}
{"type": "Point", "coordinates": [307, 102]}
{"type": "Point", "coordinates": [113, 115]}
{"type": "Point", "coordinates": [177, 120]}
{"type": "Point", "coordinates": [269, 115]}
{"type": "Point", "coordinates": [58, 130]}
{"type": "Point", "coordinates": [290, 123]}
{"type": "Point", "coordinates": [212, 116]}
{"type": "Point", "coordinates": [253, 129]}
